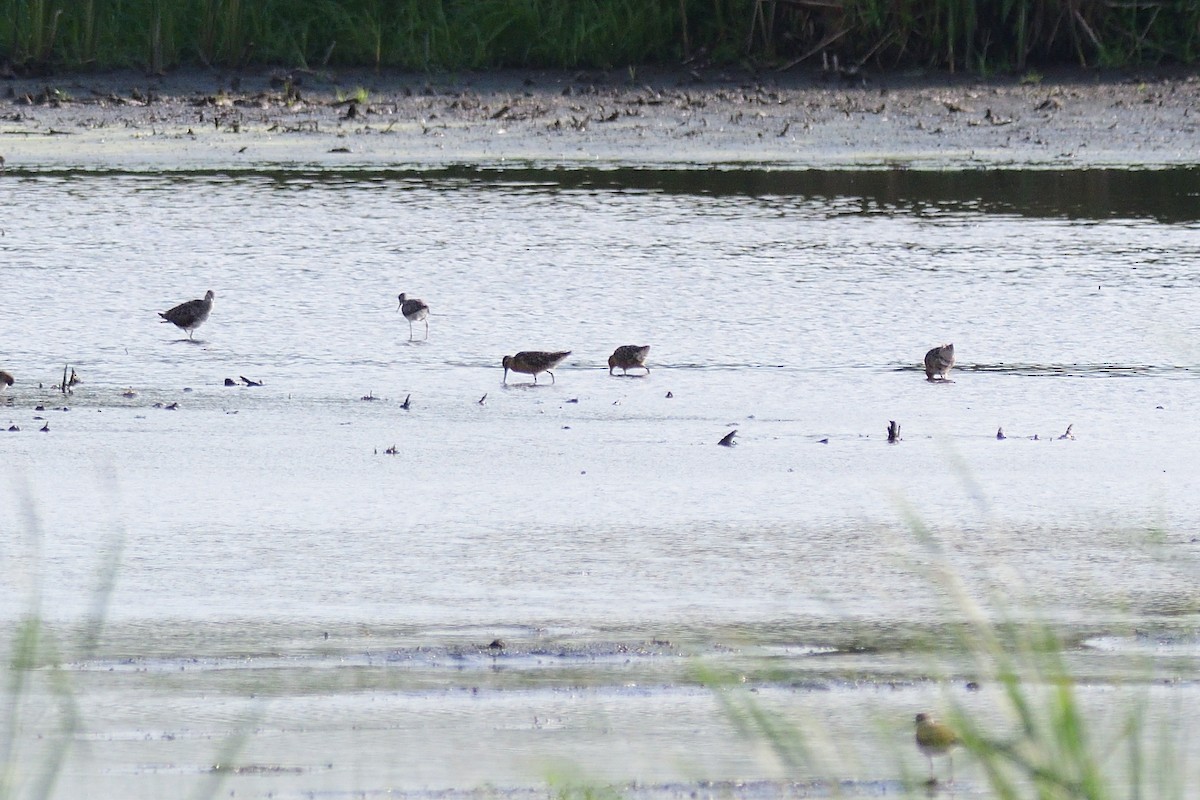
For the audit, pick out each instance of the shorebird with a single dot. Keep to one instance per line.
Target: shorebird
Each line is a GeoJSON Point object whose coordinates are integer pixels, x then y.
{"type": "Point", "coordinates": [6, 379]}
{"type": "Point", "coordinates": [414, 310]}
{"type": "Point", "coordinates": [935, 739]}
{"type": "Point", "coordinates": [627, 357]}
{"type": "Point", "coordinates": [938, 361]}
{"type": "Point", "coordinates": [531, 362]}
{"type": "Point", "coordinates": [190, 315]}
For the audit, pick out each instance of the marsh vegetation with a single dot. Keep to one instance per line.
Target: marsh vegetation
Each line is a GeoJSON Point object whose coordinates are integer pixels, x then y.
{"type": "Point", "coordinates": [41, 35]}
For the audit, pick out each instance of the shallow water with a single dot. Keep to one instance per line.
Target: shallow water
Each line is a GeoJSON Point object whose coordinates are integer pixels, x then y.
{"type": "Point", "coordinates": [282, 582]}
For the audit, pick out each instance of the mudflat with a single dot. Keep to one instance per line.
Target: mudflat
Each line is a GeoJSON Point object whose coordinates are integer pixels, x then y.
{"type": "Point", "coordinates": [798, 119]}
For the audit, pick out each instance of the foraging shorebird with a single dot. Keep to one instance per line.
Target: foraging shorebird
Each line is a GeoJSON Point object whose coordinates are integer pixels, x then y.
{"type": "Point", "coordinates": [627, 357]}
{"type": "Point", "coordinates": [190, 315]}
{"type": "Point", "coordinates": [938, 361]}
{"type": "Point", "coordinates": [414, 310]}
{"type": "Point", "coordinates": [6, 379]}
{"type": "Point", "coordinates": [935, 739]}
{"type": "Point", "coordinates": [531, 362]}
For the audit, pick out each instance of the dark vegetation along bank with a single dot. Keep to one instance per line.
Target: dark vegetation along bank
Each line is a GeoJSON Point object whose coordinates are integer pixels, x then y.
{"type": "Point", "coordinates": [42, 36]}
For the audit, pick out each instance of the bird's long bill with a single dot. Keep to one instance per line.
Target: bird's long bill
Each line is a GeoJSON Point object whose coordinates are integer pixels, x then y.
{"type": "Point", "coordinates": [400, 305]}
{"type": "Point", "coordinates": [506, 374]}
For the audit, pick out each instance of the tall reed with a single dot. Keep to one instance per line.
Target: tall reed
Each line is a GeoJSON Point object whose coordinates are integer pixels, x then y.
{"type": "Point", "coordinates": [981, 35]}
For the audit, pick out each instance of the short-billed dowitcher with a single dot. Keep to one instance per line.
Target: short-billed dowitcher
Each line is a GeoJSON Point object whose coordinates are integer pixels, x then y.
{"type": "Point", "coordinates": [935, 739]}
{"type": "Point", "coordinates": [531, 362]}
{"type": "Point", "coordinates": [938, 361]}
{"type": "Point", "coordinates": [190, 315]}
{"type": "Point", "coordinates": [414, 310]}
{"type": "Point", "coordinates": [627, 357]}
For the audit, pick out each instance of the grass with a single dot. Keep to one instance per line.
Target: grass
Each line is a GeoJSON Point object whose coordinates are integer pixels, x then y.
{"type": "Point", "coordinates": [1050, 745]}
{"type": "Point", "coordinates": [35, 672]}
{"type": "Point", "coordinates": [34, 666]}
{"type": "Point", "coordinates": [981, 35]}
{"type": "Point", "coordinates": [1034, 736]}
{"type": "Point", "coordinates": [357, 95]}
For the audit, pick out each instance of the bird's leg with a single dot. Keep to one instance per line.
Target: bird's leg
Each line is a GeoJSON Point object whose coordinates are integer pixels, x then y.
{"type": "Point", "coordinates": [410, 330]}
{"type": "Point", "coordinates": [551, 376]}
{"type": "Point", "coordinates": [427, 328]}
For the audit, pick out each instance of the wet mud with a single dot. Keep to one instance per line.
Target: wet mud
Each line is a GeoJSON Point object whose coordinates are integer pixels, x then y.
{"type": "Point", "coordinates": [800, 119]}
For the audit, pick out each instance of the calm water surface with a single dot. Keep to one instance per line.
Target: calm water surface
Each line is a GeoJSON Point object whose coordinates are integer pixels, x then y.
{"type": "Point", "coordinates": [285, 583]}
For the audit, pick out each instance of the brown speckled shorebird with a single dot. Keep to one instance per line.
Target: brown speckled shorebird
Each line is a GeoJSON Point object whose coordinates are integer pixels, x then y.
{"type": "Point", "coordinates": [531, 362]}
{"type": "Point", "coordinates": [938, 362]}
{"type": "Point", "coordinates": [935, 739]}
{"type": "Point", "coordinates": [414, 310]}
{"type": "Point", "coordinates": [627, 357]}
{"type": "Point", "coordinates": [190, 315]}
{"type": "Point", "coordinates": [6, 379]}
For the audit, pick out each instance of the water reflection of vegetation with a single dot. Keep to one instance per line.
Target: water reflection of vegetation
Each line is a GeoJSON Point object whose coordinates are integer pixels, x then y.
{"type": "Point", "coordinates": [1171, 195]}
{"type": "Point", "coordinates": [1168, 195]}
{"type": "Point", "coordinates": [1165, 195]}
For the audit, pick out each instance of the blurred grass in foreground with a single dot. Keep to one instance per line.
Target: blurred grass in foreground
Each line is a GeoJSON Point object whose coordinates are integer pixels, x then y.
{"type": "Point", "coordinates": [1048, 744]}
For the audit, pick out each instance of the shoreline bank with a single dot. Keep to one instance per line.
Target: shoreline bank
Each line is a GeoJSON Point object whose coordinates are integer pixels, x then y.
{"type": "Point", "coordinates": [199, 120]}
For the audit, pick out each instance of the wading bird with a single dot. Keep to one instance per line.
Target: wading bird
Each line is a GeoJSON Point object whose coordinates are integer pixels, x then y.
{"type": "Point", "coordinates": [414, 310]}
{"type": "Point", "coordinates": [935, 739]}
{"type": "Point", "coordinates": [190, 315]}
{"type": "Point", "coordinates": [938, 361]}
{"type": "Point", "coordinates": [627, 357]}
{"type": "Point", "coordinates": [531, 362]}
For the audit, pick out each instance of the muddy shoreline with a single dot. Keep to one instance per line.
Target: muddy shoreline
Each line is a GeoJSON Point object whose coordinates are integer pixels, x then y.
{"type": "Point", "coordinates": [275, 119]}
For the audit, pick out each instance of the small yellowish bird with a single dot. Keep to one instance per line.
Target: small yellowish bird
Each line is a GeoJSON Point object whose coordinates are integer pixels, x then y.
{"type": "Point", "coordinates": [936, 739]}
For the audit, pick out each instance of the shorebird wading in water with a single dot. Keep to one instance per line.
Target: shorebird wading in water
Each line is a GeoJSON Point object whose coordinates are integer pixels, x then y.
{"type": "Point", "coordinates": [414, 310]}
{"type": "Point", "coordinates": [531, 362]}
{"type": "Point", "coordinates": [938, 362]}
{"type": "Point", "coordinates": [935, 739]}
{"type": "Point", "coordinates": [190, 315]}
{"type": "Point", "coordinates": [627, 357]}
